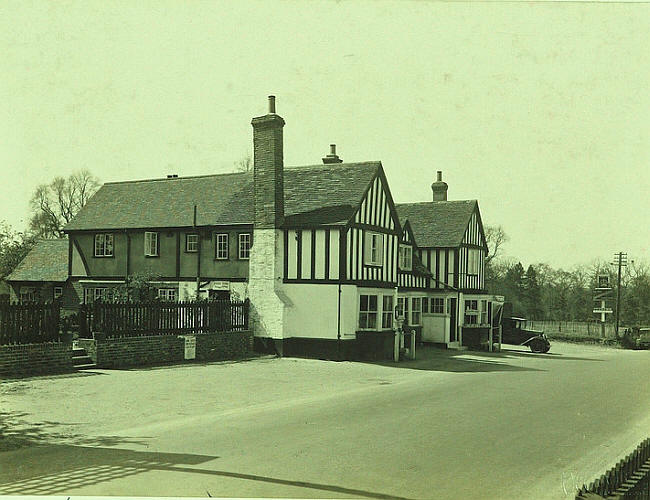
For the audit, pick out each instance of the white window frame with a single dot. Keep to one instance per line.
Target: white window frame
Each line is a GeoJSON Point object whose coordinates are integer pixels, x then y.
{"type": "Point", "coordinates": [416, 311]}
{"type": "Point", "coordinates": [57, 292]}
{"type": "Point", "coordinates": [27, 294]}
{"type": "Point", "coordinates": [437, 305]}
{"type": "Point", "coordinates": [168, 294]}
{"type": "Point", "coordinates": [373, 251]}
{"type": "Point", "coordinates": [473, 259]}
{"type": "Point", "coordinates": [221, 246]}
{"type": "Point", "coordinates": [368, 313]}
{"type": "Point", "coordinates": [471, 315]}
{"type": "Point", "coordinates": [387, 312]}
{"type": "Point", "coordinates": [191, 242]}
{"type": "Point", "coordinates": [405, 257]}
{"type": "Point", "coordinates": [151, 244]}
{"type": "Point", "coordinates": [403, 308]}
{"type": "Point", "coordinates": [244, 246]}
{"type": "Point", "coordinates": [103, 245]}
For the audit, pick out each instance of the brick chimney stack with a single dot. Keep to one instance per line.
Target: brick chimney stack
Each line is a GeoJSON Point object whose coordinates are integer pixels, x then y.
{"type": "Point", "coordinates": [439, 188]}
{"type": "Point", "coordinates": [332, 157]}
{"type": "Point", "coordinates": [268, 169]}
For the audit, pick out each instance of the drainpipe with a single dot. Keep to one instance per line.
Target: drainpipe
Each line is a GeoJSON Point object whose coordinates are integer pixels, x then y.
{"type": "Point", "coordinates": [338, 326]}
{"type": "Point", "coordinates": [198, 256]}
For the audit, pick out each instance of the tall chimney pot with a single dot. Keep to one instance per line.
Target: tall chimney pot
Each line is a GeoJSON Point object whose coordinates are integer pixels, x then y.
{"type": "Point", "coordinates": [271, 104]}
{"type": "Point", "coordinates": [439, 188]}
{"type": "Point", "coordinates": [332, 157]}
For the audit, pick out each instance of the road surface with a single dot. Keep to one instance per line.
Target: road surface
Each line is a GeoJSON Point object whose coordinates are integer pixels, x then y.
{"type": "Point", "coordinates": [450, 425]}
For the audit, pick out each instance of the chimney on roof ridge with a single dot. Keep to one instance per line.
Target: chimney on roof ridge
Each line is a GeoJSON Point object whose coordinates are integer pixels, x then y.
{"type": "Point", "coordinates": [439, 188]}
{"type": "Point", "coordinates": [332, 157]}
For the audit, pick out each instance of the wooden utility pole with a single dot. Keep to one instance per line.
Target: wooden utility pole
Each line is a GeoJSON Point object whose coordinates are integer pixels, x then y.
{"type": "Point", "coordinates": [620, 259]}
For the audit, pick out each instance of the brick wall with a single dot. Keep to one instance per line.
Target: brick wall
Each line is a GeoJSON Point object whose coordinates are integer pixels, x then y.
{"type": "Point", "coordinates": [221, 346]}
{"type": "Point", "coordinates": [164, 349]}
{"type": "Point", "coordinates": [35, 359]}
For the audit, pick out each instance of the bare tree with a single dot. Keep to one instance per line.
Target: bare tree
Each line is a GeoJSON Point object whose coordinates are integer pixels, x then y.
{"type": "Point", "coordinates": [244, 164]}
{"type": "Point", "coordinates": [53, 205]}
{"type": "Point", "coordinates": [495, 237]}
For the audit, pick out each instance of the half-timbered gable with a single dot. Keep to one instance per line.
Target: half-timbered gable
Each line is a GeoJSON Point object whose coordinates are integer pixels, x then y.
{"type": "Point", "coordinates": [372, 237]}
{"type": "Point", "coordinates": [449, 234]}
{"type": "Point", "coordinates": [473, 250]}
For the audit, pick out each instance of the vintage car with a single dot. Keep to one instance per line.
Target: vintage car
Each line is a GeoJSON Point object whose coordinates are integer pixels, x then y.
{"type": "Point", "coordinates": [636, 337]}
{"type": "Point", "coordinates": [515, 332]}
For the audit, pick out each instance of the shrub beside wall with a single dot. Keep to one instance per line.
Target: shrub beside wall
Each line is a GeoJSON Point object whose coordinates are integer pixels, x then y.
{"type": "Point", "coordinates": [35, 359]}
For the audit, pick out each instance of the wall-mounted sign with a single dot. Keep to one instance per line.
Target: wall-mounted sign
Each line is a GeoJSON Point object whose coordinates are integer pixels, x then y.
{"type": "Point", "coordinates": [190, 346]}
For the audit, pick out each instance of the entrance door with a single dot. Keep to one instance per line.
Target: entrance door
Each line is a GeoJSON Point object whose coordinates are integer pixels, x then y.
{"type": "Point", "coordinates": [453, 323]}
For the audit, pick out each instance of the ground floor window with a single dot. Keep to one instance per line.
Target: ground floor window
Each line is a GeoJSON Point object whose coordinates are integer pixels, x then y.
{"type": "Point", "coordinates": [437, 305]}
{"type": "Point", "coordinates": [368, 312]}
{"type": "Point", "coordinates": [28, 294]}
{"type": "Point", "coordinates": [387, 312]}
{"type": "Point", "coordinates": [168, 294]}
{"type": "Point", "coordinates": [471, 312]}
{"type": "Point", "coordinates": [58, 291]}
{"type": "Point", "coordinates": [484, 312]}
{"type": "Point", "coordinates": [97, 293]}
{"type": "Point", "coordinates": [416, 311]}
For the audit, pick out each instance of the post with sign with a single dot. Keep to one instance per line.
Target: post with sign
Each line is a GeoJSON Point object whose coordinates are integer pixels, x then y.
{"type": "Point", "coordinates": [399, 322]}
{"type": "Point", "coordinates": [602, 293]}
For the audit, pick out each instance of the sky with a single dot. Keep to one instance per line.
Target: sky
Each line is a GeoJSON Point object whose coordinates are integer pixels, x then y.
{"type": "Point", "coordinates": [540, 110]}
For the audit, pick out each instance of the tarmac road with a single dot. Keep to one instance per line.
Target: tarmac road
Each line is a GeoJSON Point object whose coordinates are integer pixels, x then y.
{"type": "Point", "coordinates": [450, 425]}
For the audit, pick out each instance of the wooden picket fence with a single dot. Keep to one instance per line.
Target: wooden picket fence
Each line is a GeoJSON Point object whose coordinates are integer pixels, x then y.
{"type": "Point", "coordinates": [29, 323]}
{"type": "Point", "coordinates": [133, 319]}
{"type": "Point", "coordinates": [629, 479]}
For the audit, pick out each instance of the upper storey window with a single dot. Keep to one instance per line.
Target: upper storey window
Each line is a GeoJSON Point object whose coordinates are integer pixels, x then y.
{"type": "Point", "coordinates": [406, 257]}
{"type": "Point", "coordinates": [373, 251]}
{"type": "Point", "coordinates": [104, 245]}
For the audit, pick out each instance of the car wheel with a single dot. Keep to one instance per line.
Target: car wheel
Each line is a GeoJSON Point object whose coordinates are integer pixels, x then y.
{"type": "Point", "coordinates": [539, 347]}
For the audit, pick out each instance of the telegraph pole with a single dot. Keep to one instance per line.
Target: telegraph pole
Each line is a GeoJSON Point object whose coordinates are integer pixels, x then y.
{"type": "Point", "coordinates": [620, 259]}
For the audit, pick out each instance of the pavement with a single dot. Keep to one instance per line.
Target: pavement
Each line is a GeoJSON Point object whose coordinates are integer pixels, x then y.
{"type": "Point", "coordinates": [452, 424]}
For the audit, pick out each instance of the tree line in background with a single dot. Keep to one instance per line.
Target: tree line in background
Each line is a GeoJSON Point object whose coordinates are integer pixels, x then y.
{"type": "Point", "coordinates": [542, 292]}
{"type": "Point", "coordinates": [52, 206]}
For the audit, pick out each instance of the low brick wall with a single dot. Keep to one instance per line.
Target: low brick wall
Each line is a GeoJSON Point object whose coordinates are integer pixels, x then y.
{"type": "Point", "coordinates": [35, 359]}
{"type": "Point", "coordinates": [164, 349]}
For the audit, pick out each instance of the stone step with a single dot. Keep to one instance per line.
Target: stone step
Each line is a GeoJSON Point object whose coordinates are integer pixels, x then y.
{"type": "Point", "coordinates": [87, 366]}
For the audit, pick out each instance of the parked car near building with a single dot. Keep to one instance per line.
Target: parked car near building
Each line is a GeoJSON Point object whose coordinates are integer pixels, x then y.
{"type": "Point", "coordinates": [516, 332]}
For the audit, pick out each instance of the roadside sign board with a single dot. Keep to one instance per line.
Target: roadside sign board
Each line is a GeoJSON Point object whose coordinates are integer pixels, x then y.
{"type": "Point", "coordinates": [603, 281]}
{"type": "Point", "coordinates": [190, 346]}
{"type": "Point", "coordinates": [606, 310]}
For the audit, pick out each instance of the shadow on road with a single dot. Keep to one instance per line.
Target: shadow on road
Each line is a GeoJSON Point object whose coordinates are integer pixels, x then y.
{"type": "Point", "coordinates": [450, 360]}
{"type": "Point", "coordinates": [58, 469]}
{"type": "Point", "coordinates": [447, 360]}
{"type": "Point", "coordinates": [43, 459]}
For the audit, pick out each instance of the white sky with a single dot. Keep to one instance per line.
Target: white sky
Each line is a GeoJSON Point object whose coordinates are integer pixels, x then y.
{"type": "Point", "coordinates": [541, 111]}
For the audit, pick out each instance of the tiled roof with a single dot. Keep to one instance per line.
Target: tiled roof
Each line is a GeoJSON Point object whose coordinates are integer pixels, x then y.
{"type": "Point", "coordinates": [47, 261]}
{"type": "Point", "coordinates": [319, 194]}
{"type": "Point", "coordinates": [437, 223]}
